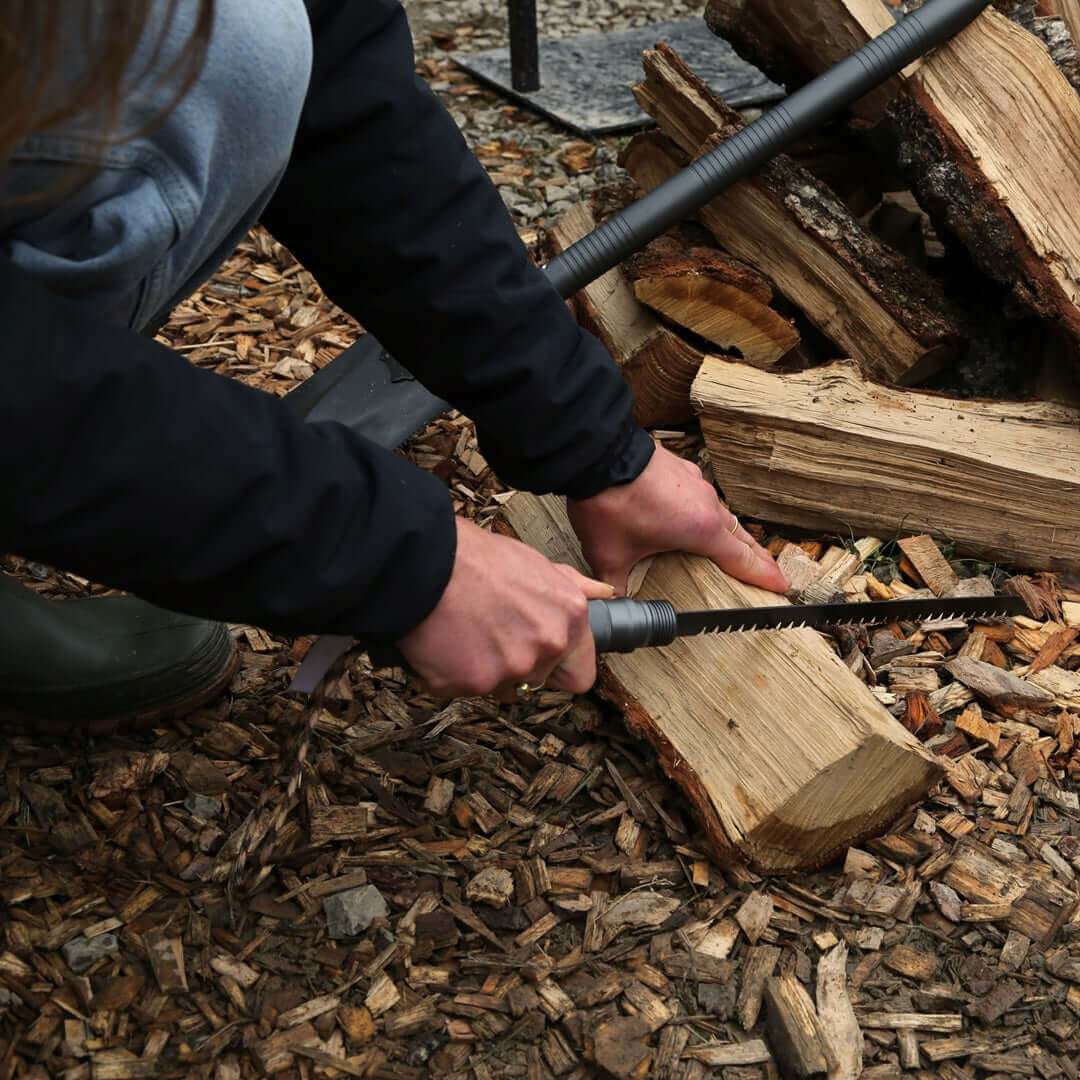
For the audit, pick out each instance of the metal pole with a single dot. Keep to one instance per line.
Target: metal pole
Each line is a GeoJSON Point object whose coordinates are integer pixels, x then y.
{"type": "Point", "coordinates": [524, 49]}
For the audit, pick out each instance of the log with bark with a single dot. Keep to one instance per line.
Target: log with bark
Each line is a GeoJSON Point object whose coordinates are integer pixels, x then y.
{"type": "Point", "coordinates": [988, 130]}
{"type": "Point", "coordinates": [785, 756]}
{"type": "Point", "coordinates": [829, 449]}
{"type": "Point", "coordinates": [862, 295]}
{"type": "Point", "coordinates": [793, 42]}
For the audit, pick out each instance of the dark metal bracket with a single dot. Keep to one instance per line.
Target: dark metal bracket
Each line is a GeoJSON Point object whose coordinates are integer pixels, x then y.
{"type": "Point", "coordinates": [524, 46]}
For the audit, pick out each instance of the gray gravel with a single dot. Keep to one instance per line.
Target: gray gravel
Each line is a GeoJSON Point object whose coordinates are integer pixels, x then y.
{"type": "Point", "coordinates": [83, 953]}
{"type": "Point", "coordinates": [351, 912]}
{"type": "Point", "coordinates": [486, 19]}
{"type": "Point", "coordinates": [443, 27]}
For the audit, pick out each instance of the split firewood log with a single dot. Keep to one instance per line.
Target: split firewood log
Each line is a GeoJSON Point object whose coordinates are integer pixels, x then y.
{"type": "Point", "coordinates": [999, 169]}
{"type": "Point", "coordinates": [861, 294]}
{"type": "Point", "coordinates": [828, 449]}
{"type": "Point", "coordinates": [712, 295]}
{"type": "Point", "coordinates": [784, 754]}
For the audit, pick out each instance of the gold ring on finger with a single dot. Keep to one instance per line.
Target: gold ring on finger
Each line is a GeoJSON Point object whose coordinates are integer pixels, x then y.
{"type": "Point", "coordinates": [734, 525]}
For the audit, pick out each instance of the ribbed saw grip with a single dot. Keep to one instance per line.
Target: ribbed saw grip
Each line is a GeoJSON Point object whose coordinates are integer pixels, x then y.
{"type": "Point", "coordinates": [686, 192]}
{"type": "Point", "coordinates": [623, 625]}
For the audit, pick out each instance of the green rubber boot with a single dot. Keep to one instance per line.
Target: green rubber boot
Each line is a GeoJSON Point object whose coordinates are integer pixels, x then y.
{"type": "Point", "coordinates": [103, 663]}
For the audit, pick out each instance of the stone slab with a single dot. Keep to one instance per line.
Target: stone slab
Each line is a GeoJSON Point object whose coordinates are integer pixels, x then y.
{"type": "Point", "coordinates": [585, 81]}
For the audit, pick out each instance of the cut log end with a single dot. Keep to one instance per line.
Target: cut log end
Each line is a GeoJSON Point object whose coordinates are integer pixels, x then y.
{"type": "Point", "coordinates": [721, 313]}
{"type": "Point", "coordinates": [847, 801]}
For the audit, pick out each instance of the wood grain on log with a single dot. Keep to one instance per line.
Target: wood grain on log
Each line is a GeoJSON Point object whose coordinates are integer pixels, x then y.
{"type": "Point", "coordinates": [989, 131]}
{"type": "Point", "coordinates": [860, 293]}
{"type": "Point", "coordinates": [717, 708]}
{"type": "Point", "coordinates": [712, 295]}
{"type": "Point", "coordinates": [1001, 478]}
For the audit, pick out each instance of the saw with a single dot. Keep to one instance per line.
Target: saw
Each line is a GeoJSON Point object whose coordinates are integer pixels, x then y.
{"type": "Point", "coordinates": [623, 625]}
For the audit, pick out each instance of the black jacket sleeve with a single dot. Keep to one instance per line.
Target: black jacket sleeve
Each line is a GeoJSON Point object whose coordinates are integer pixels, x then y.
{"type": "Point", "coordinates": [122, 461]}
{"type": "Point", "coordinates": [385, 204]}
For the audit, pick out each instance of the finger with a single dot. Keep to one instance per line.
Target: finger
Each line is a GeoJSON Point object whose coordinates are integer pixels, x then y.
{"type": "Point", "coordinates": [775, 578]}
{"type": "Point", "coordinates": [611, 578]}
{"type": "Point", "coordinates": [746, 538]}
{"type": "Point", "coordinates": [750, 563]}
{"type": "Point", "coordinates": [576, 671]}
{"type": "Point", "coordinates": [591, 587]}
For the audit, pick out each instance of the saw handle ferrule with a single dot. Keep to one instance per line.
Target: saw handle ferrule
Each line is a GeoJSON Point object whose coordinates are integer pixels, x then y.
{"type": "Point", "coordinates": [623, 625]}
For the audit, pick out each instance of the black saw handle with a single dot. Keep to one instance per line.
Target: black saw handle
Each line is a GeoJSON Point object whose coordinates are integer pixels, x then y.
{"type": "Point", "coordinates": [623, 625]}
{"type": "Point", "coordinates": [745, 152]}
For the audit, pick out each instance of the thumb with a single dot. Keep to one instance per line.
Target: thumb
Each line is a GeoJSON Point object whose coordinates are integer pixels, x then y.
{"type": "Point", "coordinates": [749, 563]}
{"type": "Point", "coordinates": [615, 578]}
{"type": "Point", "coordinates": [593, 589]}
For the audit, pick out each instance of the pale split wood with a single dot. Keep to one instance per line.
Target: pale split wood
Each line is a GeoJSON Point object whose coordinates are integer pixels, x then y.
{"type": "Point", "coordinates": [716, 708]}
{"type": "Point", "coordinates": [1002, 479]}
{"type": "Point", "coordinates": [836, 1016]}
{"type": "Point", "coordinates": [721, 313]}
{"type": "Point", "coordinates": [692, 284]}
{"type": "Point", "coordinates": [1005, 107]}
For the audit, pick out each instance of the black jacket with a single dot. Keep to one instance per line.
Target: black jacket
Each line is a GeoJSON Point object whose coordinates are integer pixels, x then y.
{"type": "Point", "coordinates": [121, 461]}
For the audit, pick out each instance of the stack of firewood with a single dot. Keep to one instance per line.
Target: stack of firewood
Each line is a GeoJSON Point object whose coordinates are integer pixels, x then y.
{"type": "Point", "coordinates": [930, 237]}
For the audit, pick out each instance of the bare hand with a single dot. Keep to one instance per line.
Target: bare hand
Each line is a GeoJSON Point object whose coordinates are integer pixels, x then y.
{"type": "Point", "coordinates": [507, 616]}
{"type": "Point", "coordinates": [669, 507]}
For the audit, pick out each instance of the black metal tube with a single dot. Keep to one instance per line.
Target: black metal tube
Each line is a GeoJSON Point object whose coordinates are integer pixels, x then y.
{"type": "Point", "coordinates": [686, 192]}
{"type": "Point", "coordinates": [524, 47]}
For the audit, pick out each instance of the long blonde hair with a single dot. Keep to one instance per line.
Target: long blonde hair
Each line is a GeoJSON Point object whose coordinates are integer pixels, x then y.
{"type": "Point", "coordinates": [36, 94]}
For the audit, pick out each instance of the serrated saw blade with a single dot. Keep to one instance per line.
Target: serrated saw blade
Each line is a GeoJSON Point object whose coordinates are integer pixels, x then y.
{"type": "Point", "coordinates": [793, 616]}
